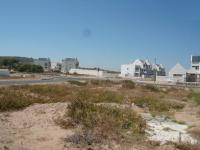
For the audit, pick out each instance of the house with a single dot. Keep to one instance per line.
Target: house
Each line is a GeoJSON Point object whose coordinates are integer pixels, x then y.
{"type": "Point", "coordinates": [193, 74]}
{"type": "Point", "coordinates": [69, 63]}
{"type": "Point", "coordinates": [142, 69]}
{"type": "Point", "coordinates": [4, 73]}
{"type": "Point", "coordinates": [56, 66]}
{"type": "Point", "coordinates": [177, 73]}
{"type": "Point", "coordinates": [44, 62]}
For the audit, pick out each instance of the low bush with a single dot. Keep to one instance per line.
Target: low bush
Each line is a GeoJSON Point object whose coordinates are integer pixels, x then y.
{"type": "Point", "coordinates": [128, 84]}
{"type": "Point", "coordinates": [99, 96]}
{"type": "Point", "coordinates": [29, 68]}
{"type": "Point", "coordinates": [78, 83]}
{"type": "Point", "coordinates": [195, 97]}
{"type": "Point", "coordinates": [152, 88]}
{"type": "Point", "coordinates": [187, 146]}
{"type": "Point", "coordinates": [157, 106]}
{"type": "Point", "coordinates": [106, 122]}
{"type": "Point", "coordinates": [13, 100]}
{"type": "Point", "coordinates": [103, 82]}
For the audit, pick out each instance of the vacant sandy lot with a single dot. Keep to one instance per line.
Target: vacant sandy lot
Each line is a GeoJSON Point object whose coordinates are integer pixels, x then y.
{"type": "Point", "coordinates": [33, 128]}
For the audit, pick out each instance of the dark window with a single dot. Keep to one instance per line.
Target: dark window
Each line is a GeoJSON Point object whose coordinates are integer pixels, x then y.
{"type": "Point", "coordinates": [195, 59]}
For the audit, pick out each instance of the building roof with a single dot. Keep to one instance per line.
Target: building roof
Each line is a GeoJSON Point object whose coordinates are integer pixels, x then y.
{"type": "Point", "coordinates": [193, 71]}
{"type": "Point", "coordinates": [177, 69]}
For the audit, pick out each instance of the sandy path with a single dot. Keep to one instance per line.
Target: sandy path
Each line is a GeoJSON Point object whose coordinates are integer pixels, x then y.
{"type": "Point", "coordinates": [33, 128]}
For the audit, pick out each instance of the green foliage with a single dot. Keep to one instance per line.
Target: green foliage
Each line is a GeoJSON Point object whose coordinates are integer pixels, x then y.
{"type": "Point", "coordinates": [29, 68]}
{"type": "Point", "coordinates": [103, 82]}
{"type": "Point", "coordinates": [9, 62]}
{"type": "Point", "coordinates": [152, 88]}
{"type": "Point", "coordinates": [195, 97]}
{"type": "Point", "coordinates": [13, 100]}
{"type": "Point", "coordinates": [187, 146]}
{"type": "Point", "coordinates": [109, 121]}
{"type": "Point", "coordinates": [78, 83]}
{"type": "Point", "coordinates": [99, 96]}
{"type": "Point", "coordinates": [157, 106]}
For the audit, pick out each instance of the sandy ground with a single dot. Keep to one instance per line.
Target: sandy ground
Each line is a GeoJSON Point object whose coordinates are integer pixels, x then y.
{"type": "Point", "coordinates": [33, 128]}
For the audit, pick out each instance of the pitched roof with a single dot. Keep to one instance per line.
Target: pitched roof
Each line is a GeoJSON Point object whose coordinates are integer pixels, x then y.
{"type": "Point", "coordinates": [178, 69]}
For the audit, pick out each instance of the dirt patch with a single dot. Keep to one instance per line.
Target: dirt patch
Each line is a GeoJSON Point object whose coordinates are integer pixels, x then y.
{"type": "Point", "coordinates": [33, 128]}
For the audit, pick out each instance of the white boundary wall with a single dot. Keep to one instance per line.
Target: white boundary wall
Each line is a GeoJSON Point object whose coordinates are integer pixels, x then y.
{"type": "Point", "coordinates": [4, 72]}
{"type": "Point", "coordinates": [87, 72]}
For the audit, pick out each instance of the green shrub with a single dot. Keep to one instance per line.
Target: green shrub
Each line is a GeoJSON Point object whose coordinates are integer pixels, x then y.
{"type": "Point", "coordinates": [103, 82]}
{"type": "Point", "coordinates": [99, 96]}
{"type": "Point", "coordinates": [109, 121]}
{"type": "Point", "coordinates": [195, 97]}
{"type": "Point", "coordinates": [157, 106]}
{"type": "Point", "coordinates": [128, 84]}
{"type": "Point", "coordinates": [13, 100]}
{"type": "Point", "coordinates": [187, 146]}
{"type": "Point", "coordinates": [29, 68]}
{"type": "Point", "coordinates": [78, 83]}
{"type": "Point", "coordinates": [152, 88]}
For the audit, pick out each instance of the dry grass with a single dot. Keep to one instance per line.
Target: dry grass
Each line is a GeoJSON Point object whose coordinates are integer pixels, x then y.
{"type": "Point", "coordinates": [102, 122]}
{"type": "Point", "coordinates": [195, 97]}
{"type": "Point", "coordinates": [187, 146]}
{"type": "Point", "coordinates": [157, 106]}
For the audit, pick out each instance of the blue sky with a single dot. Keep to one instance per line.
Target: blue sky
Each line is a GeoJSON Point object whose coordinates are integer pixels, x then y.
{"type": "Point", "coordinates": [101, 33]}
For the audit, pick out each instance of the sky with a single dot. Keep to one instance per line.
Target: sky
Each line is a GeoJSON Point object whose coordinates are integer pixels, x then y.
{"type": "Point", "coordinates": [101, 33]}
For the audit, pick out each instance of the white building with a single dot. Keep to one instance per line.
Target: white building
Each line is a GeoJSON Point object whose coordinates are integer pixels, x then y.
{"type": "Point", "coordinates": [142, 69]}
{"type": "Point", "coordinates": [56, 66]}
{"type": "Point", "coordinates": [193, 74]}
{"type": "Point", "coordinates": [177, 73]}
{"type": "Point", "coordinates": [44, 62]}
{"type": "Point", "coordinates": [69, 63]}
{"type": "Point", "coordinates": [195, 63]}
{"type": "Point", "coordinates": [4, 72]}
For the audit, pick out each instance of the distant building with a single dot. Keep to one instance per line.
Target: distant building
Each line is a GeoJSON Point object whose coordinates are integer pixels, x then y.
{"type": "Point", "coordinates": [195, 63]}
{"type": "Point", "coordinates": [142, 69]}
{"type": "Point", "coordinates": [69, 63]}
{"type": "Point", "coordinates": [56, 66]}
{"type": "Point", "coordinates": [177, 73]}
{"type": "Point", "coordinates": [44, 62]}
{"type": "Point", "coordinates": [193, 74]}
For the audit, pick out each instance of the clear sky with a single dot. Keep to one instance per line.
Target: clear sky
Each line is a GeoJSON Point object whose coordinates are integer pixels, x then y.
{"type": "Point", "coordinates": [101, 33]}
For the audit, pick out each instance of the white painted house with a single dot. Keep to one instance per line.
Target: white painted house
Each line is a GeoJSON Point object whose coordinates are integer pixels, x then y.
{"type": "Point", "coordinates": [56, 66]}
{"type": "Point", "coordinates": [44, 62]}
{"type": "Point", "coordinates": [177, 73]}
{"type": "Point", "coordinates": [69, 63]}
{"type": "Point", "coordinates": [142, 69]}
{"type": "Point", "coordinates": [193, 74]}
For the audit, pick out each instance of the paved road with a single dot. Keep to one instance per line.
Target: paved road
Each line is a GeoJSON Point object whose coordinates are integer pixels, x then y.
{"type": "Point", "coordinates": [37, 81]}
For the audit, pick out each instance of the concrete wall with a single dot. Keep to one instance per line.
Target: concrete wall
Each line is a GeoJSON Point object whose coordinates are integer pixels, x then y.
{"type": "Point", "coordinates": [4, 72]}
{"type": "Point", "coordinates": [162, 79]}
{"type": "Point", "coordinates": [87, 72]}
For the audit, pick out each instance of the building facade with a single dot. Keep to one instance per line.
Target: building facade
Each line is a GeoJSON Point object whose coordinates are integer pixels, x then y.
{"type": "Point", "coordinates": [142, 69]}
{"type": "Point", "coordinates": [69, 63]}
{"type": "Point", "coordinates": [177, 73]}
{"type": "Point", "coordinates": [56, 66]}
{"type": "Point", "coordinates": [193, 74]}
{"type": "Point", "coordinates": [44, 62]}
